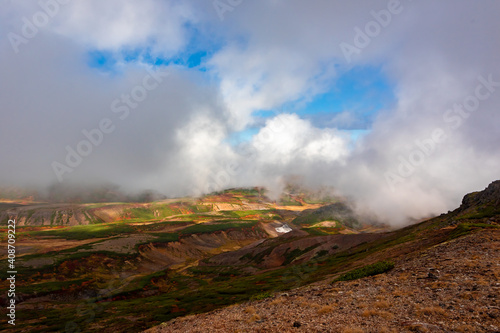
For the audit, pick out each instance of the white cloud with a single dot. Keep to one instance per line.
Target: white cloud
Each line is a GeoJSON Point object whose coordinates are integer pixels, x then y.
{"type": "Point", "coordinates": [256, 78]}
{"type": "Point", "coordinates": [286, 140]}
{"type": "Point", "coordinates": [202, 152]}
{"type": "Point", "coordinates": [115, 25]}
{"type": "Point", "coordinates": [263, 55]}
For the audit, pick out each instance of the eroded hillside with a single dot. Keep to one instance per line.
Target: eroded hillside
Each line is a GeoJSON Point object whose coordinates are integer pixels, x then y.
{"type": "Point", "coordinates": [163, 260]}
{"type": "Point", "coordinates": [69, 253]}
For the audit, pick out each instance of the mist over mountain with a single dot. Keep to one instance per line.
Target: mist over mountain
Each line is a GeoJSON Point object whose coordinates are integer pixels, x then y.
{"type": "Point", "coordinates": [394, 104]}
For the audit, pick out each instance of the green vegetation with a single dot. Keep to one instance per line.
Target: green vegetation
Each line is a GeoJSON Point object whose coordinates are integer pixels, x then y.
{"type": "Point", "coordinates": [48, 287]}
{"type": "Point", "coordinates": [292, 255]}
{"type": "Point", "coordinates": [324, 231]}
{"type": "Point", "coordinates": [158, 211]}
{"type": "Point", "coordinates": [316, 231]}
{"type": "Point", "coordinates": [485, 212]}
{"type": "Point", "coordinates": [465, 228]}
{"type": "Point", "coordinates": [336, 212]}
{"type": "Point", "coordinates": [103, 204]}
{"type": "Point", "coordinates": [206, 228]}
{"type": "Point", "coordinates": [141, 297]}
{"type": "Point", "coordinates": [30, 214]}
{"type": "Point", "coordinates": [320, 200]}
{"type": "Point", "coordinates": [320, 254]}
{"type": "Point", "coordinates": [265, 214]}
{"type": "Point", "coordinates": [197, 217]}
{"type": "Point", "coordinates": [171, 294]}
{"type": "Point", "coordinates": [52, 217]}
{"type": "Point", "coordinates": [82, 232]}
{"type": "Point", "coordinates": [200, 208]}
{"type": "Point", "coordinates": [154, 212]}
{"type": "Point", "coordinates": [217, 273]}
{"type": "Point", "coordinates": [142, 282]}
{"type": "Point", "coordinates": [91, 218]}
{"type": "Point", "coordinates": [259, 297]}
{"type": "Point", "coordinates": [159, 226]}
{"type": "Point", "coordinates": [250, 194]}
{"type": "Point", "coordinates": [243, 213]}
{"type": "Point", "coordinates": [289, 201]}
{"type": "Point", "coordinates": [369, 270]}
{"type": "Point", "coordinates": [258, 257]}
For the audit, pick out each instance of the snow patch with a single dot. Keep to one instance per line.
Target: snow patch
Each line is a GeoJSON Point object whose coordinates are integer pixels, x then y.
{"type": "Point", "coordinates": [284, 229]}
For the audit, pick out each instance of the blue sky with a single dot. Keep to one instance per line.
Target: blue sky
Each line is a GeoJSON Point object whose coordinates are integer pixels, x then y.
{"type": "Point", "coordinates": [361, 91]}
{"type": "Point", "coordinates": [106, 61]}
{"type": "Point", "coordinates": [197, 50]}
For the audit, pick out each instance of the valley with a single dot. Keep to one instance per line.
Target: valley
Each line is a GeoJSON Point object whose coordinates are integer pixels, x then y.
{"type": "Point", "coordinates": [110, 267]}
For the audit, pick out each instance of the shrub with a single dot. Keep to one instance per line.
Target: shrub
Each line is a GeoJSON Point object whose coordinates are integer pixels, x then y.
{"type": "Point", "coordinates": [321, 253]}
{"type": "Point", "coordinates": [265, 295]}
{"type": "Point", "coordinates": [369, 270]}
{"type": "Point", "coordinates": [466, 228]}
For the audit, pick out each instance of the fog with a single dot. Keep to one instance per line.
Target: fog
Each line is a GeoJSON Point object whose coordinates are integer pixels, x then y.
{"type": "Point", "coordinates": [150, 95]}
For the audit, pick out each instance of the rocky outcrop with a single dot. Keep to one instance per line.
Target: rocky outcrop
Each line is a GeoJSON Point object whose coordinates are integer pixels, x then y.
{"type": "Point", "coordinates": [488, 197]}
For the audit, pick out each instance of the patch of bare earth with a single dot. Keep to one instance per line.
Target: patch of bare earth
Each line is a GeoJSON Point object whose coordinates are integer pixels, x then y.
{"type": "Point", "coordinates": [298, 208]}
{"type": "Point", "coordinates": [327, 224]}
{"type": "Point", "coordinates": [452, 287]}
{"type": "Point", "coordinates": [193, 247]}
{"type": "Point", "coordinates": [122, 244]}
{"type": "Point", "coordinates": [44, 245]}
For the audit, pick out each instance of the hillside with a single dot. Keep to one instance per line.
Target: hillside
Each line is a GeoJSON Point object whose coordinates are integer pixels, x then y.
{"type": "Point", "coordinates": [337, 212]}
{"type": "Point", "coordinates": [445, 278]}
{"type": "Point", "coordinates": [154, 262]}
{"type": "Point", "coordinates": [452, 287]}
{"type": "Point", "coordinates": [123, 253]}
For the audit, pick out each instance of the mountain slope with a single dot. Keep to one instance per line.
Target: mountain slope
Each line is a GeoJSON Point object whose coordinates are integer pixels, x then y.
{"type": "Point", "coordinates": [445, 279]}
{"type": "Point", "coordinates": [137, 273]}
{"type": "Point", "coordinates": [452, 287]}
{"type": "Point", "coordinates": [338, 212]}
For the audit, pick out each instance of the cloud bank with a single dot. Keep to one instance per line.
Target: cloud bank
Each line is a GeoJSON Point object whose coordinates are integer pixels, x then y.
{"type": "Point", "coordinates": [162, 87]}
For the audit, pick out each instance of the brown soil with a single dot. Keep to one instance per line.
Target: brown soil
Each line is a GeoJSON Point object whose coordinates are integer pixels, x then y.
{"type": "Point", "coordinates": [332, 244]}
{"type": "Point", "coordinates": [122, 244]}
{"type": "Point", "coordinates": [44, 245]}
{"type": "Point", "coordinates": [193, 247]}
